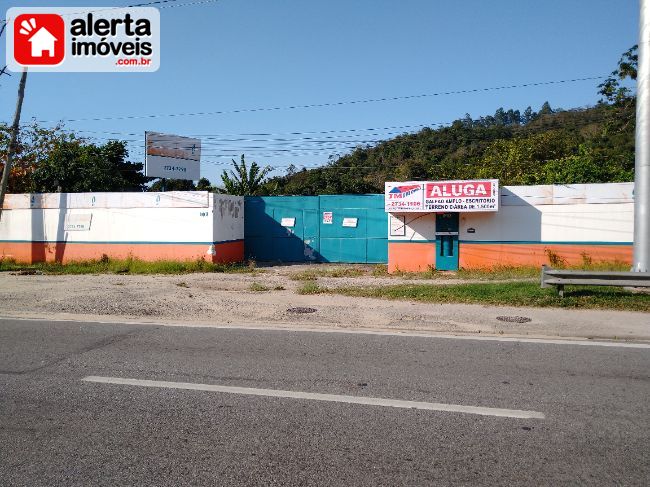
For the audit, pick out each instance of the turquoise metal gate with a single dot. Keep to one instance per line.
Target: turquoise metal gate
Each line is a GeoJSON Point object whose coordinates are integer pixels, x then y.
{"type": "Point", "coordinates": [329, 228]}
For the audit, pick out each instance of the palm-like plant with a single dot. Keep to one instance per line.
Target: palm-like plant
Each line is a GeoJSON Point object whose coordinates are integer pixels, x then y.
{"type": "Point", "coordinates": [242, 180]}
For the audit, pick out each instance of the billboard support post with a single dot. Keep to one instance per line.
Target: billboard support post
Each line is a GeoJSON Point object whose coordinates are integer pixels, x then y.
{"type": "Point", "coordinates": [641, 262]}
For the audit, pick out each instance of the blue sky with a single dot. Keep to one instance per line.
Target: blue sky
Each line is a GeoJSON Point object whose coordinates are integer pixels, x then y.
{"type": "Point", "coordinates": [241, 54]}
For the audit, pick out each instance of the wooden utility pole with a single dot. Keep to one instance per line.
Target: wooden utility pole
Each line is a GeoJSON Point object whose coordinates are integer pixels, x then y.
{"type": "Point", "coordinates": [14, 139]}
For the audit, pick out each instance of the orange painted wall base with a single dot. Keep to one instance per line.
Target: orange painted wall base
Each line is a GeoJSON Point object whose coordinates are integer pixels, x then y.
{"type": "Point", "coordinates": [31, 252]}
{"type": "Point", "coordinates": [472, 256]}
{"type": "Point", "coordinates": [419, 257]}
{"type": "Point", "coordinates": [411, 256]}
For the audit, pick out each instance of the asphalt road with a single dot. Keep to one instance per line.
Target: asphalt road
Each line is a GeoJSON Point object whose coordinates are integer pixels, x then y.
{"type": "Point", "coordinates": [57, 429]}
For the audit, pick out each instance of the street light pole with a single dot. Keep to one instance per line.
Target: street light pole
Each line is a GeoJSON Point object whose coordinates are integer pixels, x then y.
{"type": "Point", "coordinates": [642, 154]}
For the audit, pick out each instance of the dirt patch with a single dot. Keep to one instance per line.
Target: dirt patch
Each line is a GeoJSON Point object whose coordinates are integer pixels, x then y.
{"type": "Point", "coordinates": [228, 299]}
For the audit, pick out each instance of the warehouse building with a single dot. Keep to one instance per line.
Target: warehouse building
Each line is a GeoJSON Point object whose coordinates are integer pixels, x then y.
{"type": "Point", "coordinates": [476, 224]}
{"type": "Point", "coordinates": [415, 226]}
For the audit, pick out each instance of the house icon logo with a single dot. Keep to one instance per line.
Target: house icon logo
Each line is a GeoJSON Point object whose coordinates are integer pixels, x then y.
{"type": "Point", "coordinates": [39, 39]}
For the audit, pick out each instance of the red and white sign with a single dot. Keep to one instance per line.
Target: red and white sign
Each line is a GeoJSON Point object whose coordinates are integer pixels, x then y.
{"type": "Point", "coordinates": [407, 196]}
{"type": "Point", "coordinates": [39, 39]}
{"type": "Point", "coordinates": [328, 218]}
{"type": "Point", "coordinates": [83, 39]}
{"type": "Point", "coordinates": [442, 196]}
{"type": "Point", "coordinates": [462, 196]}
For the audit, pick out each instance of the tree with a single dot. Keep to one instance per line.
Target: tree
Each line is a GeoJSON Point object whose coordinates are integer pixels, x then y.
{"type": "Point", "coordinates": [585, 167]}
{"type": "Point", "coordinates": [521, 160]}
{"type": "Point", "coordinates": [546, 109]}
{"type": "Point", "coordinates": [35, 143]}
{"type": "Point", "coordinates": [611, 88]}
{"type": "Point", "coordinates": [173, 185]}
{"type": "Point", "coordinates": [528, 115]}
{"type": "Point", "coordinates": [243, 180]}
{"type": "Point", "coordinates": [74, 166]}
{"type": "Point", "coordinates": [204, 184]}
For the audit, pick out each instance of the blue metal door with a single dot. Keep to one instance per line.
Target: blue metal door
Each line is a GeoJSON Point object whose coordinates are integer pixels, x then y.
{"type": "Point", "coordinates": [447, 241]}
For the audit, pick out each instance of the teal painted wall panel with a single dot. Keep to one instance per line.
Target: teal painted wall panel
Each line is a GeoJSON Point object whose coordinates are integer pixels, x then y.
{"type": "Point", "coordinates": [297, 230]}
{"type": "Point", "coordinates": [259, 248]}
{"type": "Point", "coordinates": [347, 250]}
{"type": "Point", "coordinates": [336, 228]}
{"type": "Point", "coordinates": [377, 223]}
{"type": "Point", "coordinates": [376, 251]}
{"type": "Point", "coordinates": [352, 200]}
{"type": "Point", "coordinates": [310, 239]}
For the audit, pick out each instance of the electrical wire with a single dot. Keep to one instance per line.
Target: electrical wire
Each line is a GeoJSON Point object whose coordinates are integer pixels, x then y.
{"type": "Point", "coordinates": [163, 4]}
{"type": "Point", "coordinates": [328, 104]}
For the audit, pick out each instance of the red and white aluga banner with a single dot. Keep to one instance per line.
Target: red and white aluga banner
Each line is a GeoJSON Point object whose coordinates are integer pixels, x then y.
{"type": "Point", "coordinates": [462, 196]}
{"type": "Point", "coordinates": [442, 196]}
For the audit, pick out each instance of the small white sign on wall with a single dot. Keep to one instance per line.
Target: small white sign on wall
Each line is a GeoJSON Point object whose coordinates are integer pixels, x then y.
{"type": "Point", "coordinates": [350, 222]}
{"type": "Point", "coordinates": [328, 217]}
{"type": "Point", "coordinates": [397, 225]}
{"type": "Point", "coordinates": [78, 223]}
{"type": "Point", "coordinates": [288, 222]}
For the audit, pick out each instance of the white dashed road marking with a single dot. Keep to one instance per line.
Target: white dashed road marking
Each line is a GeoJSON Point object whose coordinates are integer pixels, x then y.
{"type": "Point", "coordinates": [367, 401]}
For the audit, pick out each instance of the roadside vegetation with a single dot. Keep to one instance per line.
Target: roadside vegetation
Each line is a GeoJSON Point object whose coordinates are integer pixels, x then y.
{"type": "Point", "coordinates": [504, 294]}
{"type": "Point", "coordinates": [258, 288]}
{"type": "Point", "coordinates": [106, 265]}
{"type": "Point", "coordinates": [310, 287]}
{"type": "Point", "coordinates": [313, 274]}
{"type": "Point", "coordinates": [497, 273]}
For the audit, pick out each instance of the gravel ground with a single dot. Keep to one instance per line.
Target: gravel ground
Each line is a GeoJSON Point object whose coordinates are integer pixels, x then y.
{"type": "Point", "coordinates": [228, 299]}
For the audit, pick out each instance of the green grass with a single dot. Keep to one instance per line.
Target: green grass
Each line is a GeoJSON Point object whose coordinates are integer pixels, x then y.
{"type": "Point", "coordinates": [313, 274]}
{"type": "Point", "coordinates": [497, 273]}
{"type": "Point", "coordinates": [106, 265]}
{"type": "Point", "coordinates": [502, 273]}
{"type": "Point", "coordinates": [257, 287]}
{"type": "Point", "coordinates": [310, 287]}
{"type": "Point", "coordinates": [510, 294]}
{"type": "Point", "coordinates": [380, 270]}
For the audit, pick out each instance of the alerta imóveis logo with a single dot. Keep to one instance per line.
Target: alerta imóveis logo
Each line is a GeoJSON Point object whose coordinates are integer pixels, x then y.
{"type": "Point", "coordinates": [39, 39]}
{"type": "Point", "coordinates": [399, 192]}
{"type": "Point", "coordinates": [83, 39]}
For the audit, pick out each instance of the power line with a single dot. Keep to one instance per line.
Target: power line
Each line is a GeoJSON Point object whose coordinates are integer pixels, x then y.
{"type": "Point", "coordinates": [269, 134]}
{"type": "Point", "coordinates": [330, 104]}
{"type": "Point", "coordinates": [290, 145]}
{"type": "Point", "coordinates": [170, 3]}
{"type": "Point", "coordinates": [163, 4]}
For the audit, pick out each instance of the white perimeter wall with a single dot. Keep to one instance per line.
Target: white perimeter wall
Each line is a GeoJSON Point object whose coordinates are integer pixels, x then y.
{"type": "Point", "coordinates": [228, 215]}
{"type": "Point", "coordinates": [175, 216]}
{"type": "Point", "coordinates": [567, 213]}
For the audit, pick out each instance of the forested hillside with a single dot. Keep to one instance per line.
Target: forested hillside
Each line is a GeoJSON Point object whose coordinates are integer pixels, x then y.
{"type": "Point", "coordinates": [572, 146]}
{"type": "Point", "coordinates": [590, 145]}
{"type": "Point", "coordinates": [546, 146]}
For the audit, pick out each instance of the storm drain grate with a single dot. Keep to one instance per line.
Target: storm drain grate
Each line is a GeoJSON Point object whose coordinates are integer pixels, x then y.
{"type": "Point", "coordinates": [514, 319]}
{"type": "Point", "coordinates": [301, 309]}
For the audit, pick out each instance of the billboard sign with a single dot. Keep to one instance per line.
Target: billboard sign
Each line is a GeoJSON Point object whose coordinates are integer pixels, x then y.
{"type": "Point", "coordinates": [172, 156]}
{"type": "Point", "coordinates": [407, 196]}
{"type": "Point", "coordinates": [83, 39]}
{"type": "Point", "coordinates": [442, 196]}
{"type": "Point", "coordinates": [462, 196]}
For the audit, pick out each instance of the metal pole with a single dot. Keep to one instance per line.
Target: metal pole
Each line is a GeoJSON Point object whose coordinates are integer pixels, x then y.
{"type": "Point", "coordinates": [642, 155]}
{"type": "Point", "coordinates": [14, 138]}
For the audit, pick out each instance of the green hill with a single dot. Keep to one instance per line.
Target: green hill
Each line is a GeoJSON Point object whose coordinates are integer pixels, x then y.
{"type": "Point", "coordinates": [547, 147]}
{"type": "Point", "coordinates": [590, 145]}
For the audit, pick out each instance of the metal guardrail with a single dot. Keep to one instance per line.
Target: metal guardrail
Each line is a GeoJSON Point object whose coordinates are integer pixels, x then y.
{"type": "Point", "coordinates": [559, 278]}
